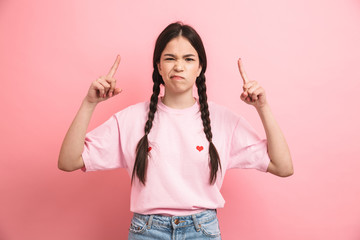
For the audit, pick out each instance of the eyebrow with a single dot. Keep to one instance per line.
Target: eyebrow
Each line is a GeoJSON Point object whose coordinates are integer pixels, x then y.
{"type": "Point", "coordinates": [185, 56]}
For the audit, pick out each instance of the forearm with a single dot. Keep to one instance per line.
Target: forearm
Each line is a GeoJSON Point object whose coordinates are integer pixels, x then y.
{"type": "Point", "coordinates": [73, 143]}
{"type": "Point", "coordinates": [278, 150]}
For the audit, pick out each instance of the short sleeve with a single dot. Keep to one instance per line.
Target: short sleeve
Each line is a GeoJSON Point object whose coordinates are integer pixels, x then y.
{"type": "Point", "coordinates": [247, 149]}
{"type": "Point", "coordinates": [102, 148]}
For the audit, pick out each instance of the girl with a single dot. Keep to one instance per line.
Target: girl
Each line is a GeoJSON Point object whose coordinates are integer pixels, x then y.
{"type": "Point", "coordinates": [176, 148]}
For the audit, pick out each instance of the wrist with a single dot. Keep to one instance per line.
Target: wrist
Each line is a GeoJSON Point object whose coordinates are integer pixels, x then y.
{"type": "Point", "coordinates": [89, 105]}
{"type": "Point", "coordinates": [264, 108]}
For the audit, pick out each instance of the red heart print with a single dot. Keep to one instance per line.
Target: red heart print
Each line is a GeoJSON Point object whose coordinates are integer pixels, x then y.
{"type": "Point", "coordinates": [199, 148]}
{"type": "Point", "coordinates": [149, 149]}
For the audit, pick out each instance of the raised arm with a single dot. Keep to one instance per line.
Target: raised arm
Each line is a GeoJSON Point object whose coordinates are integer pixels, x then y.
{"type": "Point", "coordinates": [103, 88]}
{"type": "Point", "coordinates": [278, 150]}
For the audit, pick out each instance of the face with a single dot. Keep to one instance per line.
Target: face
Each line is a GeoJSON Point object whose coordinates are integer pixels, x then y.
{"type": "Point", "coordinates": [179, 66]}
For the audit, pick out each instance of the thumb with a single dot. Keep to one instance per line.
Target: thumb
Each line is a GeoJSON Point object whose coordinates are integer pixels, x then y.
{"type": "Point", "coordinates": [243, 96]}
{"type": "Point", "coordinates": [117, 91]}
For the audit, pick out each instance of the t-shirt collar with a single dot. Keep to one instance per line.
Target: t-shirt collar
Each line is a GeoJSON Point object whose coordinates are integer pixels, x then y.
{"type": "Point", "coordinates": [189, 110]}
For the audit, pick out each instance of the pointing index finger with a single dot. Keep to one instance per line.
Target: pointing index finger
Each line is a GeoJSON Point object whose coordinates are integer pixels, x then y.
{"type": "Point", "coordinates": [114, 67]}
{"type": "Point", "coordinates": [242, 71]}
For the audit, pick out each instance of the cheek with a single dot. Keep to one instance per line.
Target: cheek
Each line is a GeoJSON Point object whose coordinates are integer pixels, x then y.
{"type": "Point", "coordinates": [163, 69]}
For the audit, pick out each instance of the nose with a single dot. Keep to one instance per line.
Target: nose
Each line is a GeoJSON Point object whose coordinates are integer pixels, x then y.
{"type": "Point", "coordinates": [178, 66]}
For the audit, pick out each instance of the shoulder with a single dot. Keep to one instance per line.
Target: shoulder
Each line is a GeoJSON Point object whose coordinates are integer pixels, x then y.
{"type": "Point", "coordinates": [221, 112]}
{"type": "Point", "coordinates": [137, 110]}
{"type": "Point", "coordinates": [224, 115]}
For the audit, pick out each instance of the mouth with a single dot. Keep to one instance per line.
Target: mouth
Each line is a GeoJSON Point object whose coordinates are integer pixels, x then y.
{"type": "Point", "coordinates": [176, 77]}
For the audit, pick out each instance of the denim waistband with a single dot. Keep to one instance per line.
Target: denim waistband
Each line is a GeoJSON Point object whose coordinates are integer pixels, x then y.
{"type": "Point", "coordinates": [178, 221]}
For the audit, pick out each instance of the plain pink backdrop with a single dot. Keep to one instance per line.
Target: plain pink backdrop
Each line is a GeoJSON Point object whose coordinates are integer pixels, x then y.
{"type": "Point", "coordinates": [304, 53]}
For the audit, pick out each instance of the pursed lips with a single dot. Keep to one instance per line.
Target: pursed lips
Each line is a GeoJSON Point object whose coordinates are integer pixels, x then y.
{"type": "Point", "coordinates": [176, 77]}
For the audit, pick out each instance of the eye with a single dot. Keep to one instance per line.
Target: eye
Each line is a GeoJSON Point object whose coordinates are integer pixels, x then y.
{"type": "Point", "coordinates": [169, 59]}
{"type": "Point", "coordinates": [189, 59]}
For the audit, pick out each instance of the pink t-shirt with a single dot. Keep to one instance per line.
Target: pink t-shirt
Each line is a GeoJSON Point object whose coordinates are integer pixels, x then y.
{"type": "Point", "coordinates": [177, 180]}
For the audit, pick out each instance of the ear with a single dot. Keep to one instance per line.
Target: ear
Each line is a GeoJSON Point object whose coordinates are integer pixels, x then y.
{"type": "Point", "coordinates": [199, 70]}
{"type": "Point", "coordinates": [159, 68]}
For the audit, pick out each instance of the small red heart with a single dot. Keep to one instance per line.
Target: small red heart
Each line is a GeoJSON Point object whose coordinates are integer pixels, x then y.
{"type": "Point", "coordinates": [199, 148]}
{"type": "Point", "coordinates": [149, 149]}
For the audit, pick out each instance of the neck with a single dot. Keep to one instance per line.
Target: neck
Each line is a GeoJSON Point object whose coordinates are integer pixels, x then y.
{"type": "Point", "coordinates": [179, 101]}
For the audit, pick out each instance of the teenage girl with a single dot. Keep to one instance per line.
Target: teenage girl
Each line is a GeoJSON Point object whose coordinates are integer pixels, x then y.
{"type": "Point", "coordinates": [176, 148]}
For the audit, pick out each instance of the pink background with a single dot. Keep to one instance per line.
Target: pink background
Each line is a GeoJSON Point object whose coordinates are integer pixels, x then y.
{"type": "Point", "coordinates": [304, 53]}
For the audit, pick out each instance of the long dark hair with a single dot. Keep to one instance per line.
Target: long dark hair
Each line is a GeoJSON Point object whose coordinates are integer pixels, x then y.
{"type": "Point", "coordinates": [170, 32]}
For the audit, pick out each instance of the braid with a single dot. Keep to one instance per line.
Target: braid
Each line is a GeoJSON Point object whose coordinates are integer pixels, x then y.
{"type": "Point", "coordinates": [205, 116]}
{"type": "Point", "coordinates": [141, 159]}
{"type": "Point", "coordinates": [153, 106]}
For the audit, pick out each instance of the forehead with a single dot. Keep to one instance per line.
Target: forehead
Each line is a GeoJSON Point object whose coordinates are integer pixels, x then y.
{"type": "Point", "coordinates": [179, 46]}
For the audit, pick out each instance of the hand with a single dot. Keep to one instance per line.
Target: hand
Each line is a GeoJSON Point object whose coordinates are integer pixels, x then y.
{"type": "Point", "coordinates": [104, 87]}
{"type": "Point", "coordinates": [253, 93]}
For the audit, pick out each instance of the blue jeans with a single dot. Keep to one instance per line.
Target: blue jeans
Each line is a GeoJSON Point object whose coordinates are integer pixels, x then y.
{"type": "Point", "coordinates": [203, 225]}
